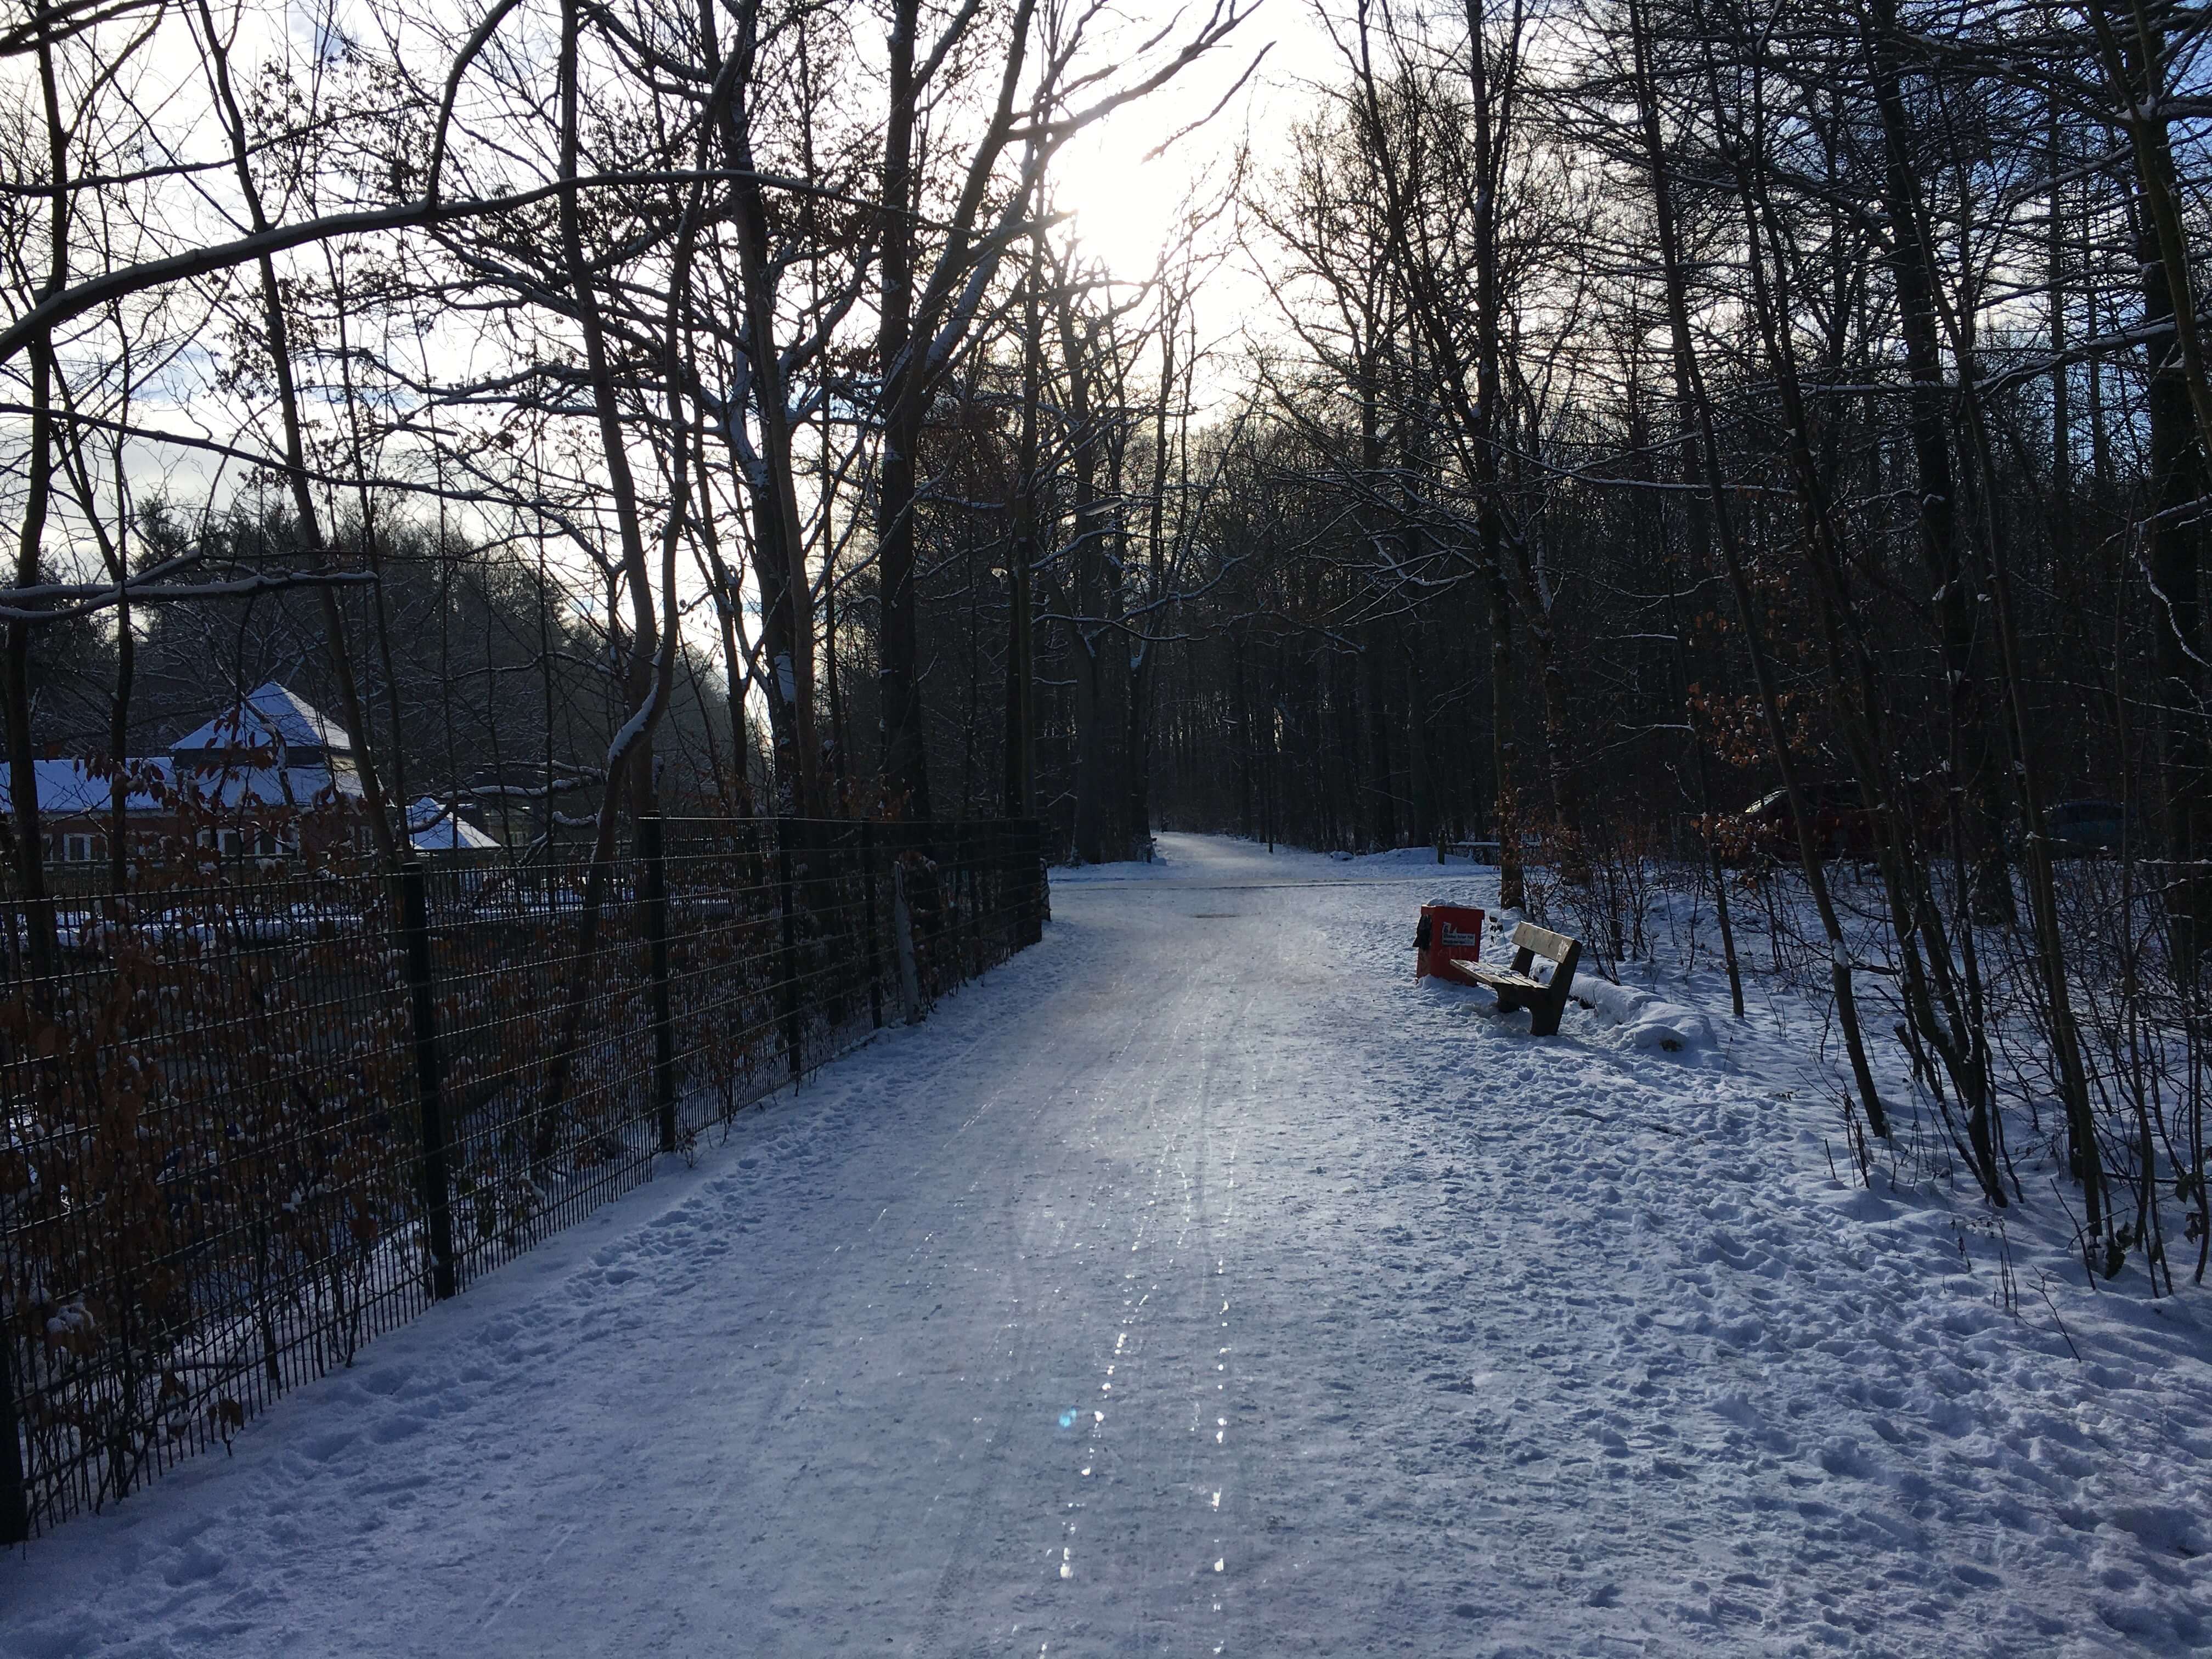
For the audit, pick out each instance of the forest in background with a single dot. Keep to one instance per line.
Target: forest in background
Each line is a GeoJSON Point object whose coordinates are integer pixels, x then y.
{"type": "Point", "coordinates": [1654, 405]}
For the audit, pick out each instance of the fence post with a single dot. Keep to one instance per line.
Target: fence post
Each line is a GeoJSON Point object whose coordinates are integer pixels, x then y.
{"type": "Point", "coordinates": [1005, 892]}
{"type": "Point", "coordinates": [653, 854]}
{"type": "Point", "coordinates": [792, 1046]}
{"type": "Point", "coordinates": [14, 1504]}
{"type": "Point", "coordinates": [965, 918]}
{"type": "Point", "coordinates": [868, 911]}
{"type": "Point", "coordinates": [436, 1176]}
{"type": "Point", "coordinates": [1028, 845]}
{"type": "Point", "coordinates": [902, 941]}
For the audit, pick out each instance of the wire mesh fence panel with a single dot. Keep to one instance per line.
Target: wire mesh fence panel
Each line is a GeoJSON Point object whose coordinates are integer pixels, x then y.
{"type": "Point", "coordinates": [259, 1113]}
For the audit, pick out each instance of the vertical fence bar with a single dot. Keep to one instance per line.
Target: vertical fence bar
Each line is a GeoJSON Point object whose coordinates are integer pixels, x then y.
{"type": "Point", "coordinates": [995, 894]}
{"type": "Point", "coordinates": [788, 969]}
{"type": "Point", "coordinates": [909, 970]}
{"type": "Point", "coordinates": [963, 914]}
{"type": "Point", "coordinates": [1002, 920]}
{"type": "Point", "coordinates": [14, 1498]}
{"type": "Point", "coordinates": [14, 1504]}
{"type": "Point", "coordinates": [436, 1176]}
{"type": "Point", "coordinates": [1040, 888]}
{"type": "Point", "coordinates": [1026, 858]}
{"type": "Point", "coordinates": [653, 854]}
{"type": "Point", "coordinates": [868, 911]}
{"type": "Point", "coordinates": [1022, 843]}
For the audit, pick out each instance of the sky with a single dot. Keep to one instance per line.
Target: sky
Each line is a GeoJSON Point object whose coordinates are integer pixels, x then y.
{"type": "Point", "coordinates": [1123, 198]}
{"type": "Point", "coordinates": [1125, 201]}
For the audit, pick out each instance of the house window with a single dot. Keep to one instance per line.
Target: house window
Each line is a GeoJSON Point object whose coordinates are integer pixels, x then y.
{"type": "Point", "coordinates": [77, 849]}
{"type": "Point", "coordinates": [230, 842]}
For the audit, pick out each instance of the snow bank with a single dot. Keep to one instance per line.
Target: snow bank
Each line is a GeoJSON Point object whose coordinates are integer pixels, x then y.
{"type": "Point", "coordinates": [1157, 867]}
{"type": "Point", "coordinates": [1647, 1020]}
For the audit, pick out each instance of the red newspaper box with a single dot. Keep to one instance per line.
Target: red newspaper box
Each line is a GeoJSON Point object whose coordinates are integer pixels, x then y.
{"type": "Point", "coordinates": [1445, 931]}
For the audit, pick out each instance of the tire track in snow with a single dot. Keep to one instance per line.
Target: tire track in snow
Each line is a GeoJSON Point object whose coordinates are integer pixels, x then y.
{"type": "Point", "coordinates": [1135, 1056]}
{"type": "Point", "coordinates": [1115, 1438]}
{"type": "Point", "coordinates": [1174, 1448]}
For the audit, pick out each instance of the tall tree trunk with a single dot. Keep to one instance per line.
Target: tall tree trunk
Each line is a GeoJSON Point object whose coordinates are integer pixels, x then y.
{"type": "Point", "coordinates": [1974, 758]}
{"type": "Point", "coordinates": [2175, 550]}
{"type": "Point", "coordinates": [43, 944]}
{"type": "Point", "coordinates": [309, 525]}
{"type": "Point", "coordinates": [1723, 526]}
{"type": "Point", "coordinates": [1422, 827]}
{"type": "Point", "coordinates": [786, 589]}
{"type": "Point", "coordinates": [899, 360]}
{"type": "Point", "coordinates": [1144, 652]}
{"type": "Point", "coordinates": [1505, 811]}
{"type": "Point", "coordinates": [1021, 561]}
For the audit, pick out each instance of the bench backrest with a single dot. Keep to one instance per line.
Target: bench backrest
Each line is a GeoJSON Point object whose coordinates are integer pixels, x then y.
{"type": "Point", "coordinates": [1553, 947]}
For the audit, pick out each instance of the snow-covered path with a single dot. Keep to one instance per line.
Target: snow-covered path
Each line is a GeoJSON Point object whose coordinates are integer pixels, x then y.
{"type": "Point", "coordinates": [1197, 1285]}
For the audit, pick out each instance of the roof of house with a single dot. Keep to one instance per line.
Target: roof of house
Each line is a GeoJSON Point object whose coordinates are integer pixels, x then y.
{"type": "Point", "coordinates": [270, 716]}
{"type": "Point", "coordinates": [432, 828]}
{"type": "Point", "coordinates": [271, 786]}
{"type": "Point", "coordinates": [71, 788]}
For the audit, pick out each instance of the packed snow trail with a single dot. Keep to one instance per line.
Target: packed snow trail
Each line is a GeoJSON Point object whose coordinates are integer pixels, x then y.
{"type": "Point", "coordinates": [1196, 1284]}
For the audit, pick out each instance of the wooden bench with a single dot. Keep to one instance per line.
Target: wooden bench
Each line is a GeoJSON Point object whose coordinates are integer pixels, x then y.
{"type": "Point", "coordinates": [1517, 988]}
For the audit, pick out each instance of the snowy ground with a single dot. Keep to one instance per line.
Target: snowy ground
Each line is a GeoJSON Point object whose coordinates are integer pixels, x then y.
{"type": "Point", "coordinates": [1198, 1285]}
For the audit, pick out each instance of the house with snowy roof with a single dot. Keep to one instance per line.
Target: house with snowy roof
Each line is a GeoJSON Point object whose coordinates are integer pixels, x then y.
{"type": "Point", "coordinates": [436, 826]}
{"type": "Point", "coordinates": [262, 779]}
{"type": "Point", "coordinates": [271, 729]}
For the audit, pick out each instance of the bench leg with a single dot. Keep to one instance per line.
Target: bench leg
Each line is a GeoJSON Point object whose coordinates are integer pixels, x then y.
{"type": "Point", "coordinates": [1550, 1011]}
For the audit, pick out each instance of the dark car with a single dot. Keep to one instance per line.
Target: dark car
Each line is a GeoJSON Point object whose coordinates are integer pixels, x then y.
{"type": "Point", "coordinates": [2081, 828]}
{"type": "Point", "coordinates": [1842, 827]}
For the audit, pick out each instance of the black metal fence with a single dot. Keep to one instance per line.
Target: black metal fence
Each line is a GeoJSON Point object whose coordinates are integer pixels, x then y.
{"type": "Point", "coordinates": [255, 1116]}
